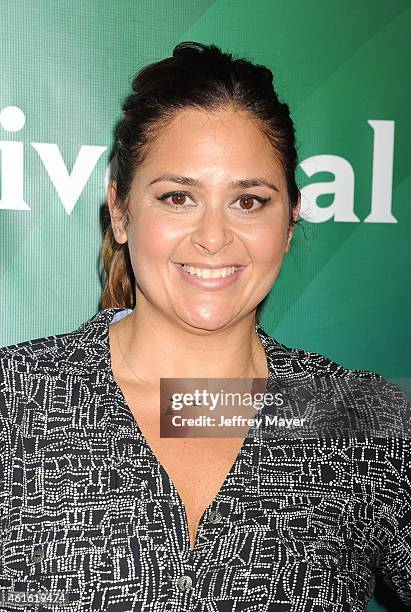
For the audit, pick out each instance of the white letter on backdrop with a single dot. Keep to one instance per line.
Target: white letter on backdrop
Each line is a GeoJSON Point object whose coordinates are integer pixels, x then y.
{"type": "Point", "coordinates": [68, 186]}
{"type": "Point", "coordinates": [342, 208]}
{"type": "Point", "coordinates": [12, 119]}
{"type": "Point", "coordinates": [382, 169]}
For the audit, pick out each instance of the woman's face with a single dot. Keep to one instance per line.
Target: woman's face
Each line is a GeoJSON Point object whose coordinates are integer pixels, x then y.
{"type": "Point", "coordinates": [229, 210]}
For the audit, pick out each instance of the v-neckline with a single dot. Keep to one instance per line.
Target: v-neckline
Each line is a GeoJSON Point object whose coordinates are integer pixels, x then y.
{"type": "Point", "coordinates": [243, 458]}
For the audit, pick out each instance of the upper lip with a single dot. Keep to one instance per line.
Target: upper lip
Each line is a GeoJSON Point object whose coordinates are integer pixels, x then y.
{"type": "Point", "coordinates": [210, 266]}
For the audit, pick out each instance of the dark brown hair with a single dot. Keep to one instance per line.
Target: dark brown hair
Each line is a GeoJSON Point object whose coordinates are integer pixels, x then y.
{"type": "Point", "coordinates": [196, 76]}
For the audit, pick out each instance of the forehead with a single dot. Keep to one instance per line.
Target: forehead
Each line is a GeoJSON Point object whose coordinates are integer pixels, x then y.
{"type": "Point", "coordinates": [221, 142]}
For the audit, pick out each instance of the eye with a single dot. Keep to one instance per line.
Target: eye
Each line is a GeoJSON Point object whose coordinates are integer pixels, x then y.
{"type": "Point", "coordinates": [177, 198]}
{"type": "Point", "coordinates": [247, 201]}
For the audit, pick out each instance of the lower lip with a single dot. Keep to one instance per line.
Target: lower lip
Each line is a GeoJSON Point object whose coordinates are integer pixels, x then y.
{"type": "Point", "coordinates": [209, 283]}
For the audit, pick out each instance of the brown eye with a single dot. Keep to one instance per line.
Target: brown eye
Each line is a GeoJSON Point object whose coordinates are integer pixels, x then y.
{"type": "Point", "coordinates": [178, 198]}
{"type": "Point", "coordinates": [246, 202]}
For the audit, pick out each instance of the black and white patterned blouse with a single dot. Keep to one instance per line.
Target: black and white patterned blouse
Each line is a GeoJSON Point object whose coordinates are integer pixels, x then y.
{"type": "Point", "coordinates": [301, 524]}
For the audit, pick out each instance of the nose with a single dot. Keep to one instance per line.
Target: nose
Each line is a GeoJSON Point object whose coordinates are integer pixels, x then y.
{"type": "Point", "coordinates": [211, 233]}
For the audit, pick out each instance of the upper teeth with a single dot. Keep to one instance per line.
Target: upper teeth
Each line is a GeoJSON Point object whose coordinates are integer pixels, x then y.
{"type": "Point", "coordinates": [209, 272]}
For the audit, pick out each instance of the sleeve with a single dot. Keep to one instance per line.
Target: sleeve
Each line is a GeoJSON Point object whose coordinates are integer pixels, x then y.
{"type": "Point", "coordinates": [5, 474]}
{"type": "Point", "coordinates": [395, 562]}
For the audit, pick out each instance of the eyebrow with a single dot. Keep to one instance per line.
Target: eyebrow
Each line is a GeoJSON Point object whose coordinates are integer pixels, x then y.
{"type": "Point", "coordinates": [187, 180]}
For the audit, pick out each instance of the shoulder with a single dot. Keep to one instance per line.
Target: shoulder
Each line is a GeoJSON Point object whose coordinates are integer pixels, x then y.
{"type": "Point", "coordinates": [25, 367]}
{"type": "Point", "coordinates": [78, 350]}
{"type": "Point", "coordinates": [300, 360]}
{"type": "Point", "coordinates": [31, 351]}
{"type": "Point", "coordinates": [367, 398]}
{"type": "Point", "coordinates": [29, 370]}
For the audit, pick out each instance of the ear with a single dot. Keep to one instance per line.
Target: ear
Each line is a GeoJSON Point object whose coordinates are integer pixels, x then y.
{"type": "Point", "coordinates": [296, 212]}
{"type": "Point", "coordinates": [120, 233]}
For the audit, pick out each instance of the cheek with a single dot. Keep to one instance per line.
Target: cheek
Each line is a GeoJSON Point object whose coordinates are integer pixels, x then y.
{"type": "Point", "coordinates": [267, 245]}
{"type": "Point", "coordinates": [152, 238]}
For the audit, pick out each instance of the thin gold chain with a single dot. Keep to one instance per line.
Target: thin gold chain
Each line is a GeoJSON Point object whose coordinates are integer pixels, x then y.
{"type": "Point", "coordinates": [138, 377]}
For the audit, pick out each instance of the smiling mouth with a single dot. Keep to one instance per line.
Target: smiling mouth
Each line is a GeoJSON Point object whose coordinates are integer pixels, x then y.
{"type": "Point", "coordinates": [210, 272]}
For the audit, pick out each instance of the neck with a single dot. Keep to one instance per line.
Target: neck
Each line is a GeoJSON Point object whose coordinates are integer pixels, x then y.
{"type": "Point", "coordinates": [151, 346]}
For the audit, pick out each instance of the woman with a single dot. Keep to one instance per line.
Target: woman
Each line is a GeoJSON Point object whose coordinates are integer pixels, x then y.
{"type": "Point", "coordinates": [99, 506]}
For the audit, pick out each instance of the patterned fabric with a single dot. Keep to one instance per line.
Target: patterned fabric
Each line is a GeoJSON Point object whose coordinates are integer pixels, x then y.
{"type": "Point", "coordinates": [299, 525]}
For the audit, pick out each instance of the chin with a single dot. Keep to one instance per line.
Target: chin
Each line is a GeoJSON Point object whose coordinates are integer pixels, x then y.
{"type": "Point", "coordinates": [209, 323]}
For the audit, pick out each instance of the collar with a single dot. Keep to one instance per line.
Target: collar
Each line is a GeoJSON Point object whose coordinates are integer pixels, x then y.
{"type": "Point", "coordinates": [87, 349]}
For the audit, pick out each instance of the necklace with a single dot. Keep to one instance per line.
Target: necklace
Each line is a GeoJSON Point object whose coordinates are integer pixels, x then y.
{"type": "Point", "coordinates": [138, 377]}
{"type": "Point", "coordinates": [194, 404]}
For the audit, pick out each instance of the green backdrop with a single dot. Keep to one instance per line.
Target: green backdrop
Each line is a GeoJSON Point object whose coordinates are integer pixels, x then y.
{"type": "Point", "coordinates": [343, 67]}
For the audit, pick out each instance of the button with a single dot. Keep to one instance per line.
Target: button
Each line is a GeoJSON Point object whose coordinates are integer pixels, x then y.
{"type": "Point", "coordinates": [34, 585]}
{"type": "Point", "coordinates": [38, 555]}
{"type": "Point", "coordinates": [185, 583]}
{"type": "Point", "coordinates": [215, 516]}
